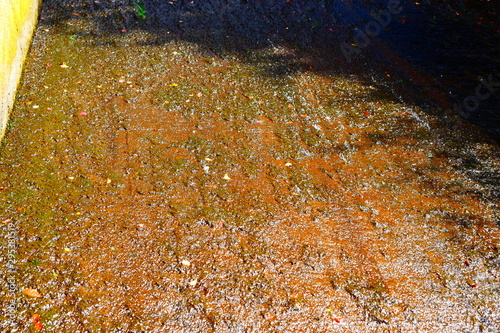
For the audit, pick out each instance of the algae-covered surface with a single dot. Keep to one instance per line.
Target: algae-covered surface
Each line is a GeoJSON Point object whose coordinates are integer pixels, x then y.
{"type": "Point", "coordinates": [221, 166]}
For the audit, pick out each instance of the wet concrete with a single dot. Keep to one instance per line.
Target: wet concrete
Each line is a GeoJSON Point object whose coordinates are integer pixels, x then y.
{"type": "Point", "coordinates": [219, 166]}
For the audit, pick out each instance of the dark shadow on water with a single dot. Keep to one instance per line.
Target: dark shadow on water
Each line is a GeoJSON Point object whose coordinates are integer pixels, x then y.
{"type": "Point", "coordinates": [443, 48]}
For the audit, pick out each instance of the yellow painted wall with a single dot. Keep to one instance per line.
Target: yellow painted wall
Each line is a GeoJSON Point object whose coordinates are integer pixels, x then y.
{"type": "Point", "coordinates": [17, 21]}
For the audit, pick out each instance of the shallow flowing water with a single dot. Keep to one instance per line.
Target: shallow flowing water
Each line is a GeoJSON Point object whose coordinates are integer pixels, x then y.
{"type": "Point", "coordinates": [221, 166]}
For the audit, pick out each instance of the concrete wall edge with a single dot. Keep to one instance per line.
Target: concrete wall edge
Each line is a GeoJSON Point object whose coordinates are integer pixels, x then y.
{"type": "Point", "coordinates": [13, 77]}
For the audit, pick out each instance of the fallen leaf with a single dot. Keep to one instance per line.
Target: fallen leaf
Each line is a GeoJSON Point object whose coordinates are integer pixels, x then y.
{"type": "Point", "coordinates": [185, 263]}
{"type": "Point", "coordinates": [226, 177]}
{"type": "Point", "coordinates": [220, 224]}
{"type": "Point", "coordinates": [38, 326]}
{"type": "Point", "coordinates": [64, 65]}
{"type": "Point", "coordinates": [193, 282]}
{"type": "Point", "coordinates": [471, 283]}
{"type": "Point", "coordinates": [173, 85]}
{"type": "Point", "coordinates": [7, 221]}
{"type": "Point", "coordinates": [31, 292]}
{"type": "Point", "coordinates": [35, 317]}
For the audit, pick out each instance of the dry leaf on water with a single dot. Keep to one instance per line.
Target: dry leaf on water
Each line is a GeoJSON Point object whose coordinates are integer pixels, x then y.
{"type": "Point", "coordinates": [31, 292]}
{"type": "Point", "coordinates": [36, 321]}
